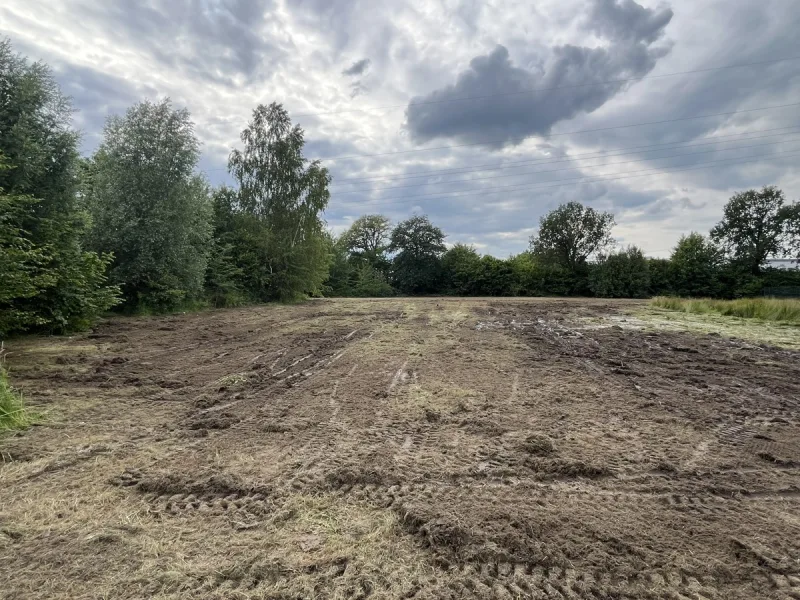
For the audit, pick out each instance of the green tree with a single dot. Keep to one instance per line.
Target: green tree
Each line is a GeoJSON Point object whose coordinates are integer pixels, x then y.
{"type": "Point", "coordinates": [367, 240]}
{"type": "Point", "coordinates": [461, 270]}
{"type": "Point", "coordinates": [660, 270]}
{"type": "Point", "coordinates": [496, 277]}
{"type": "Point", "coordinates": [572, 233]}
{"type": "Point", "coordinates": [695, 264]}
{"type": "Point", "coordinates": [42, 222]}
{"type": "Point", "coordinates": [419, 245]}
{"type": "Point", "coordinates": [623, 274]}
{"type": "Point", "coordinates": [148, 206]}
{"type": "Point", "coordinates": [282, 245]}
{"type": "Point", "coordinates": [756, 225]}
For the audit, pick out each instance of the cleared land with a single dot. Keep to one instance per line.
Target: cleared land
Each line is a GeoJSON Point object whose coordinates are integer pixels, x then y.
{"type": "Point", "coordinates": [425, 448]}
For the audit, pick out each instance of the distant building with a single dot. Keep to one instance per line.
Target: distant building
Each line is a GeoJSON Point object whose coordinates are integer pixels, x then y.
{"type": "Point", "coordinates": [783, 263]}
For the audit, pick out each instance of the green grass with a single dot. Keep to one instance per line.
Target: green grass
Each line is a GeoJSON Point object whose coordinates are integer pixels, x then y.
{"type": "Point", "coordinates": [13, 414]}
{"type": "Point", "coordinates": [766, 309]}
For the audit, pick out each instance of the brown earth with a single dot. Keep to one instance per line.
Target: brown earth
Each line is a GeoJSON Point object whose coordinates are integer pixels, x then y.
{"type": "Point", "coordinates": [404, 448]}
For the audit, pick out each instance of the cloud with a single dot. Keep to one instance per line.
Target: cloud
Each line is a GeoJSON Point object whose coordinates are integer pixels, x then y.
{"type": "Point", "coordinates": [627, 20]}
{"type": "Point", "coordinates": [503, 109]}
{"type": "Point", "coordinates": [357, 68]}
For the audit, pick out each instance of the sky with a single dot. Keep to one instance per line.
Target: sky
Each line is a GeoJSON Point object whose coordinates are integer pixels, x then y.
{"type": "Point", "coordinates": [482, 114]}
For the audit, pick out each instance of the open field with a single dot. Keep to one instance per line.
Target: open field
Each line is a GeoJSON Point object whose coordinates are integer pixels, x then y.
{"type": "Point", "coordinates": [405, 448]}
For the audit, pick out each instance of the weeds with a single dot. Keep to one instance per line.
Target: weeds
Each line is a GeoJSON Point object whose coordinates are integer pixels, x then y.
{"type": "Point", "coordinates": [765, 309]}
{"type": "Point", "coordinates": [13, 414]}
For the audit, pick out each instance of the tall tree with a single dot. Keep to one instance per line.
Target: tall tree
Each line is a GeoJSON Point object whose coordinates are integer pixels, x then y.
{"type": "Point", "coordinates": [419, 246]}
{"type": "Point", "coordinates": [695, 263]}
{"type": "Point", "coordinates": [756, 224]}
{"type": "Point", "coordinates": [367, 239]}
{"type": "Point", "coordinates": [572, 233]}
{"type": "Point", "coordinates": [148, 206]}
{"type": "Point", "coordinates": [41, 217]}
{"type": "Point", "coordinates": [281, 198]}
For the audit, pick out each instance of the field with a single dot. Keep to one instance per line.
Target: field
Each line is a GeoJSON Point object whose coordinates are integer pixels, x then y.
{"type": "Point", "coordinates": [406, 448]}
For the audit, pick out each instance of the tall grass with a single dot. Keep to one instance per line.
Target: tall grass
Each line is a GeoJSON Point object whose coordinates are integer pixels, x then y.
{"type": "Point", "coordinates": [13, 414]}
{"type": "Point", "coordinates": [784, 310]}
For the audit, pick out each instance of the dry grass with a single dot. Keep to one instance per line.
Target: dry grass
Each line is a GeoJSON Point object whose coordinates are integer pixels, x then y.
{"type": "Point", "coordinates": [765, 309]}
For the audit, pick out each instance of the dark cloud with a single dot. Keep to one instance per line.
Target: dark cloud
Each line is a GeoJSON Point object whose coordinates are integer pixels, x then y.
{"type": "Point", "coordinates": [357, 68]}
{"type": "Point", "coordinates": [564, 83]}
{"type": "Point", "coordinates": [627, 20]}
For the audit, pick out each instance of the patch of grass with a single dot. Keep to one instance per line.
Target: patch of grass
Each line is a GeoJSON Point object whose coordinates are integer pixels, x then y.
{"type": "Point", "coordinates": [13, 414]}
{"type": "Point", "coordinates": [783, 310]}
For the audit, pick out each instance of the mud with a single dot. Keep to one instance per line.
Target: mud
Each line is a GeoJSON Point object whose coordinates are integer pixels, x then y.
{"type": "Point", "coordinates": [427, 448]}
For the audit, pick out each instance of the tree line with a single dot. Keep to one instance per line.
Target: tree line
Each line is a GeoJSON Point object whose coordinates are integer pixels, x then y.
{"type": "Point", "coordinates": [573, 254]}
{"type": "Point", "coordinates": [134, 227]}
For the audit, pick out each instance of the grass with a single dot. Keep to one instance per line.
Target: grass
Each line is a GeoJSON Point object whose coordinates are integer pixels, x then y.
{"type": "Point", "coordinates": [13, 414]}
{"type": "Point", "coordinates": [766, 309]}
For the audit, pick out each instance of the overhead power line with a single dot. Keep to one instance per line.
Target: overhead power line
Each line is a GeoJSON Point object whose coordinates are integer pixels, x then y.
{"type": "Point", "coordinates": [524, 173]}
{"type": "Point", "coordinates": [552, 135]}
{"type": "Point", "coordinates": [581, 180]}
{"type": "Point", "coordinates": [579, 156]}
{"type": "Point", "coordinates": [543, 89]}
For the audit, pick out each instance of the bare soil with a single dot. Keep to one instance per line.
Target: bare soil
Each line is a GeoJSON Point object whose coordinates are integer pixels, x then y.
{"type": "Point", "coordinates": [403, 448]}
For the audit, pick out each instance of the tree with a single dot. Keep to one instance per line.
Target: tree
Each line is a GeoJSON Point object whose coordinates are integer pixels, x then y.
{"type": "Point", "coordinates": [367, 240]}
{"type": "Point", "coordinates": [660, 270]}
{"type": "Point", "coordinates": [572, 233]}
{"type": "Point", "coordinates": [496, 277]}
{"type": "Point", "coordinates": [48, 279]}
{"type": "Point", "coordinates": [756, 225]}
{"type": "Point", "coordinates": [622, 274]}
{"type": "Point", "coordinates": [461, 269]}
{"type": "Point", "coordinates": [419, 246]}
{"type": "Point", "coordinates": [695, 266]}
{"type": "Point", "coordinates": [282, 246]}
{"type": "Point", "coordinates": [148, 207]}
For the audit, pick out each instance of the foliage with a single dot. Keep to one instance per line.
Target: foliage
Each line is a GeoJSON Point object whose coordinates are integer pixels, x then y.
{"type": "Point", "coordinates": [572, 233]}
{"type": "Point", "coordinates": [496, 278]}
{"type": "Point", "coordinates": [49, 280]}
{"type": "Point", "coordinates": [756, 225]}
{"type": "Point", "coordinates": [538, 275]}
{"type": "Point", "coordinates": [766, 309]}
{"type": "Point", "coordinates": [622, 274]}
{"type": "Point", "coordinates": [13, 414]}
{"type": "Point", "coordinates": [694, 266]}
{"type": "Point", "coordinates": [419, 246]}
{"type": "Point", "coordinates": [367, 240]}
{"type": "Point", "coordinates": [660, 270]}
{"type": "Point", "coordinates": [276, 229]}
{"type": "Point", "coordinates": [148, 207]}
{"type": "Point", "coordinates": [461, 268]}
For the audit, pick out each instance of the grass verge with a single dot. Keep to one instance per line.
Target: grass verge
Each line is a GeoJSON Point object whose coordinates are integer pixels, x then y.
{"type": "Point", "coordinates": [767, 309]}
{"type": "Point", "coordinates": [13, 414]}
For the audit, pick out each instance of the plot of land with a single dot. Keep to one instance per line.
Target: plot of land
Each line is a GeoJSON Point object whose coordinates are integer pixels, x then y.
{"type": "Point", "coordinates": [405, 448]}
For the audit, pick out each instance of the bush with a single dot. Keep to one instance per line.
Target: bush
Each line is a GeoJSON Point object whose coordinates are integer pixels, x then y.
{"type": "Point", "coordinates": [623, 274]}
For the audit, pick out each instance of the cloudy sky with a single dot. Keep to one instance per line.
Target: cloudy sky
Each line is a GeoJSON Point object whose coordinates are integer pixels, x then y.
{"type": "Point", "coordinates": [483, 114]}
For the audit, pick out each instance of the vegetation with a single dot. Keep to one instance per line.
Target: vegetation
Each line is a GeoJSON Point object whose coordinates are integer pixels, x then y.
{"type": "Point", "coordinates": [766, 309]}
{"type": "Point", "coordinates": [13, 414]}
{"type": "Point", "coordinates": [148, 208]}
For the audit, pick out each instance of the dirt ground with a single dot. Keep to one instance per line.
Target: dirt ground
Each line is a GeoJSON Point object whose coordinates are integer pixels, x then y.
{"type": "Point", "coordinates": [404, 448]}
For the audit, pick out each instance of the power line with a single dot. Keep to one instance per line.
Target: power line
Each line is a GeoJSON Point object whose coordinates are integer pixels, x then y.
{"type": "Point", "coordinates": [602, 153]}
{"type": "Point", "coordinates": [542, 89]}
{"type": "Point", "coordinates": [551, 135]}
{"type": "Point", "coordinates": [641, 173]}
{"type": "Point", "coordinates": [395, 187]}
